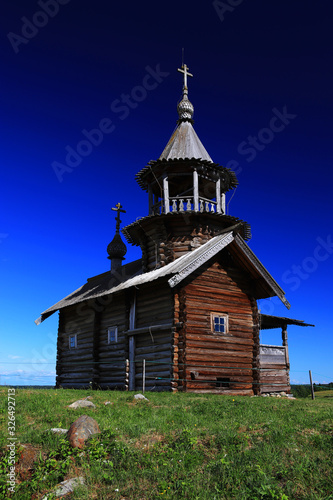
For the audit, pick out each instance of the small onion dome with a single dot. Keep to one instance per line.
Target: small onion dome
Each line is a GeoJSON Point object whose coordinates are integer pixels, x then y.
{"type": "Point", "coordinates": [117, 248]}
{"type": "Point", "coordinates": [185, 108]}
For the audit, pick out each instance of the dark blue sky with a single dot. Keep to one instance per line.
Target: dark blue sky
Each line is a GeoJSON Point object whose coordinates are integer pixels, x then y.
{"type": "Point", "coordinates": [262, 93]}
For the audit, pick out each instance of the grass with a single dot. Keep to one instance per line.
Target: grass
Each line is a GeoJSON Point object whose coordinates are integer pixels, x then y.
{"type": "Point", "coordinates": [187, 446]}
{"type": "Point", "coordinates": [324, 394]}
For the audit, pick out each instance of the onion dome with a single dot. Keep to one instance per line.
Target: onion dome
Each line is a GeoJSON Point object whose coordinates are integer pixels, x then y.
{"type": "Point", "coordinates": [185, 108]}
{"type": "Point", "coordinates": [117, 248]}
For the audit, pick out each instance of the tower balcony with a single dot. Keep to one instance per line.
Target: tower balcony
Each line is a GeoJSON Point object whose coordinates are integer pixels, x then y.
{"type": "Point", "coordinates": [179, 204]}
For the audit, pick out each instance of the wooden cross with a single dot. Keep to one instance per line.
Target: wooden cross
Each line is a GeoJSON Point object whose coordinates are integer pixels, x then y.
{"type": "Point", "coordinates": [184, 70]}
{"type": "Point", "coordinates": [118, 209]}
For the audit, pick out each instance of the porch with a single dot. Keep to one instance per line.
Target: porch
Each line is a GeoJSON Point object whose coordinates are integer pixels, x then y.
{"type": "Point", "coordinates": [274, 363]}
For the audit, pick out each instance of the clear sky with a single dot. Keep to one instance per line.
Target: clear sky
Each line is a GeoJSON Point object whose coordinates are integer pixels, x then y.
{"type": "Point", "coordinates": [262, 93]}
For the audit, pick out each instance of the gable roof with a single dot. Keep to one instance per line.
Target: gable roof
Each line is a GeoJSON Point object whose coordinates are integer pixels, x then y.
{"type": "Point", "coordinates": [132, 275]}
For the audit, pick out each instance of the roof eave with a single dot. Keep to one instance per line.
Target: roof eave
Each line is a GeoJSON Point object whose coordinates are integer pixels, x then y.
{"type": "Point", "coordinates": [262, 271]}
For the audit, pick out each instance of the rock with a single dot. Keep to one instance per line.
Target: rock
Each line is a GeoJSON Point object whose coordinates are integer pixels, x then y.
{"type": "Point", "coordinates": [81, 430]}
{"type": "Point", "coordinates": [82, 403]}
{"type": "Point", "coordinates": [283, 394]}
{"type": "Point", "coordinates": [108, 403]}
{"type": "Point", "coordinates": [57, 430]}
{"type": "Point", "coordinates": [140, 396]}
{"type": "Point", "coordinates": [66, 487]}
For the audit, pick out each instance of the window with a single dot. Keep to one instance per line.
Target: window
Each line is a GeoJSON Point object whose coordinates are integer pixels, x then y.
{"type": "Point", "coordinates": [223, 382]}
{"type": "Point", "coordinates": [112, 334]}
{"type": "Point", "coordinates": [72, 341]}
{"type": "Point", "coordinates": [219, 323]}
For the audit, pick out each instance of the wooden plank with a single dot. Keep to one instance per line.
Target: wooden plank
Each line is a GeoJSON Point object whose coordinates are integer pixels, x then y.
{"type": "Point", "coordinates": [272, 360]}
{"type": "Point", "coordinates": [211, 337]}
{"type": "Point", "coordinates": [218, 353]}
{"type": "Point", "coordinates": [153, 348]}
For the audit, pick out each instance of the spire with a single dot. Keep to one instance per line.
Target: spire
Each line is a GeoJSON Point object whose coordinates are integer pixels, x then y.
{"type": "Point", "coordinates": [117, 248]}
{"type": "Point", "coordinates": [184, 142]}
{"type": "Point", "coordinates": [185, 107]}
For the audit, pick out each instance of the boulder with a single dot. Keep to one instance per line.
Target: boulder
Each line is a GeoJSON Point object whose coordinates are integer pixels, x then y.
{"type": "Point", "coordinates": [82, 403]}
{"type": "Point", "coordinates": [140, 396]}
{"type": "Point", "coordinates": [81, 430]}
{"type": "Point", "coordinates": [66, 487]}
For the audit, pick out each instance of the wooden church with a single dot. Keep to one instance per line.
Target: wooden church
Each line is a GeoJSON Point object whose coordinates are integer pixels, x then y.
{"type": "Point", "coordinates": [185, 316]}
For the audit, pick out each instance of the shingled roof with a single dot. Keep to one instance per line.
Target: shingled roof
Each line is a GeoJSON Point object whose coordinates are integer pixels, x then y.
{"type": "Point", "coordinates": [132, 275]}
{"type": "Point", "coordinates": [268, 322]}
{"type": "Point", "coordinates": [185, 144]}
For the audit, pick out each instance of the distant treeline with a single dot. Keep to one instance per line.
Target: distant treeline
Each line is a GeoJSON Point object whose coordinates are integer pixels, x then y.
{"type": "Point", "coordinates": [304, 390]}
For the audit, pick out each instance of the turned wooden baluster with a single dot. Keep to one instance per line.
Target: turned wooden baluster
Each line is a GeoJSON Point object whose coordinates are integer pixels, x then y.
{"type": "Point", "coordinates": [201, 206]}
{"type": "Point", "coordinates": [174, 205]}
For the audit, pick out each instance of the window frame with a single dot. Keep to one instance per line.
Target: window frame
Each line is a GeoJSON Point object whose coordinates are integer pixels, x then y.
{"type": "Point", "coordinates": [115, 329]}
{"type": "Point", "coordinates": [214, 315]}
{"type": "Point", "coordinates": [70, 337]}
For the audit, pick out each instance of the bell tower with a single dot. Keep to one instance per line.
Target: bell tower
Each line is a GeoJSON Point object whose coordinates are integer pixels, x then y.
{"type": "Point", "coordinates": [186, 195]}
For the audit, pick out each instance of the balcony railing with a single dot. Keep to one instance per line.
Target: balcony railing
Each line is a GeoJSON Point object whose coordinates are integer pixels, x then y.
{"type": "Point", "coordinates": [180, 205]}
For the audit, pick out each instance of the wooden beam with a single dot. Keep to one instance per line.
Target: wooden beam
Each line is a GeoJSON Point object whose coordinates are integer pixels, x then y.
{"type": "Point", "coordinates": [166, 194]}
{"type": "Point", "coordinates": [131, 344]}
{"type": "Point", "coordinates": [285, 344]}
{"type": "Point", "coordinates": [195, 191]}
{"type": "Point", "coordinates": [223, 203]}
{"type": "Point", "coordinates": [312, 389]}
{"type": "Point", "coordinates": [148, 329]}
{"type": "Point", "coordinates": [218, 195]}
{"type": "Point", "coordinates": [150, 199]}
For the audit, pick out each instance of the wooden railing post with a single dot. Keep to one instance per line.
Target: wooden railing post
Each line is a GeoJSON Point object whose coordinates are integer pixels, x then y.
{"type": "Point", "coordinates": [126, 374]}
{"type": "Point", "coordinates": [195, 191]}
{"type": "Point", "coordinates": [312, 389]}
{"type": "Point", "coordinates": [143, 376]}
{"type": "Point", "coordinates": [285, 344]}
{"type": "Point", "coordinates": [166, 194]}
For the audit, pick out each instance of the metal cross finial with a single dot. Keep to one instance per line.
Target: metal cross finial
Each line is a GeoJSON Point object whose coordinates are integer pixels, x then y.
{"type": "Point", "coordinates": [184, 69]}
{"type": "Point", "coordinates": [118, 209]}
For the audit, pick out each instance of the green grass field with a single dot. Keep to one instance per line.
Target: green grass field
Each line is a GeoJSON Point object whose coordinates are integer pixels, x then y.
{"type": "Point", "coordinates": [174, 446]}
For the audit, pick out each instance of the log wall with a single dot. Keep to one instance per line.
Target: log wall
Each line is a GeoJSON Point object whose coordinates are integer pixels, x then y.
{"type": "Point", "coordinates": [154, 306]}
{"type": "Point", "coordinates": [75, 367]}
{"type": "Point", "coordinates": [112, 357]}
{"type": "Point", "coordinates": [94, 362]}
{"type": "Point", "coordinates": [216, 362]}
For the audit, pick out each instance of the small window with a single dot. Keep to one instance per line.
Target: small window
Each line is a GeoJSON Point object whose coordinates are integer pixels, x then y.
{"type": "Point", "coordinates": [219, 323]}
{"type": "Point", "coordinates": [73, 341]}
{"type": "Point", "coordinates": [112, 334]}
{"type": "Point", "coordinates": [223, 382]}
